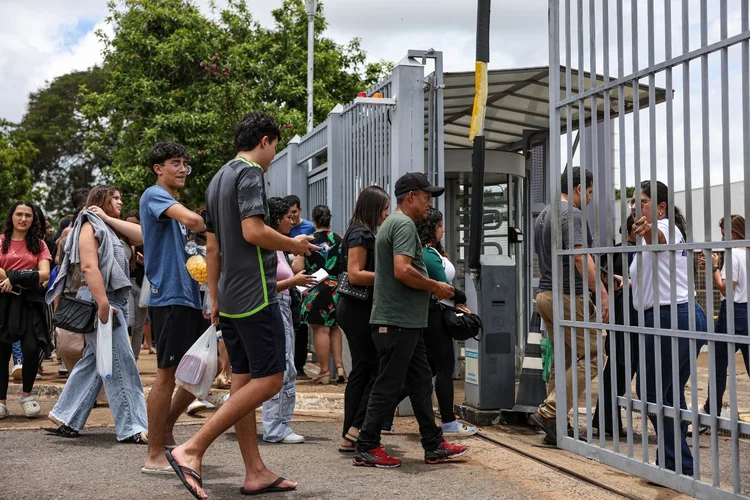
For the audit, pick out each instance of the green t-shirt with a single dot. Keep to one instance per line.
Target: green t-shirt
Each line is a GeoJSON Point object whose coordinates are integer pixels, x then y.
{"type": "Point", "coordinates": [434, 263]}
{"type": "Point", "coordinates": [395, 304]}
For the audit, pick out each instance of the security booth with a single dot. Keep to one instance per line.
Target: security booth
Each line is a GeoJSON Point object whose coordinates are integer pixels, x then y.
{"type": "Point", "coordinates": [420, 122]}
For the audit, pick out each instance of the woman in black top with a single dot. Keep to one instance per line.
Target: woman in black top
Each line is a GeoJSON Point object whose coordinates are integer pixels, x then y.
{"type": "Point", "coordinates": [358, 256]}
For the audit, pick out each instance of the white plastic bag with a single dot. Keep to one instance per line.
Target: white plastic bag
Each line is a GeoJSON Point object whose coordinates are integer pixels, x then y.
{"type": "Point", "coordinates": [197, 369]}
{"type": "Point", "coordinates": [145, 292]}
{"type": "Point", "coordinates": [104, 347]}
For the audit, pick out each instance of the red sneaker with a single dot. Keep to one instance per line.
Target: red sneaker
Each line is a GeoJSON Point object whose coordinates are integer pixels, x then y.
{"type": "Point", "coordinates": [443, 452]}
{"type": "Point", "coordinates": [377, 457]}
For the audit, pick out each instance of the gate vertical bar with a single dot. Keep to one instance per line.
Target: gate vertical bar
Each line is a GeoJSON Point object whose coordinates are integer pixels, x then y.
{"type": "Point", "coordinates": [335, 184]}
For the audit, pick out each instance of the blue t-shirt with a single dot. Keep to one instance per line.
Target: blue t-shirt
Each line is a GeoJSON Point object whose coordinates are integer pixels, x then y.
{"type": "Point", "coordinates": [164, 241]}
{"type": "Point", "coordinates": [304, 227]}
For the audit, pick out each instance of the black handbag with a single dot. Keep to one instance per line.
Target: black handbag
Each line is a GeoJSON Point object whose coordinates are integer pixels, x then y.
{"type": "Point", "coordinates": [354, 291]}
{"type": "Point", "coordinates": [461, 325]}
{"type": "Point", "coordinates": [75, 315]}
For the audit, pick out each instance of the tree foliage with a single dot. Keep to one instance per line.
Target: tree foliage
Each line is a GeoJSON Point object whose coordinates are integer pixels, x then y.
{"type": "Point", "coordinates": [173, 73]}
{"type": "Point", "coordinates": [55, 125]}
{"type": "Point", "coordinates": [16, 155]}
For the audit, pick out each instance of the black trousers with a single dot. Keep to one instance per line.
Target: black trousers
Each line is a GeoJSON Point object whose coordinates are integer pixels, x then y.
{"type": "Point", "coordinates": [354, 319]}
{"type": "Point", "coordinates": [623, 380]}
{"type": "Point", "coordinates": [31, 359]}
{"type": "Point", "coordinates": [402, 357]}
{"type": "Point", "coordinates": [442, 359]}
{"type": "Point", "coordinates": [300, 347]}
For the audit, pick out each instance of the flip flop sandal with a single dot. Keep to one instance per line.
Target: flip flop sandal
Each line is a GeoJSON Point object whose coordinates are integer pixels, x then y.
{"type": "Point", "coordinates": [271, 488]}
{"type": "Point", "coordinates": [322, 379]}
{"type": "Point", "coordinates": [63, 431]}
{"type": "Point", "coordinates": [181, 470]}
{"type": "Point", "coordinates": [165, 471]}
{"type": "Point", "coordinates": [349, 449]}
{"type": "Point", "coordinates": [139, 438]}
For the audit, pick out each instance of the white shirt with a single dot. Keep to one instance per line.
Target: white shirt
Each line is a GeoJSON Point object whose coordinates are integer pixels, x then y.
{"type": "Point", "coordinates": [643, 296]}
{"type": "Point", "coordinates": [739, 275]}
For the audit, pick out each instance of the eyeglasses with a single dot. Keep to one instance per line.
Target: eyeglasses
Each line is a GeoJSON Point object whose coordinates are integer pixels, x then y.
{"type": "Point", "coordinates": [188, 169]}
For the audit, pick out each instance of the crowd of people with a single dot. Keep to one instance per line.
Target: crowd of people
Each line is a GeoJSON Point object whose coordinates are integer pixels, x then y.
{"type": "Point", "coordinates": [653, 303]}
{"type": "Point", "coordinates": [272, 276]}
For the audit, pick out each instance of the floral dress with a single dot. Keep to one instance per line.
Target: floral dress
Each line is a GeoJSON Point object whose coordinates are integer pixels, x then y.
{"type": "Point", "coordinates": [319, 303]}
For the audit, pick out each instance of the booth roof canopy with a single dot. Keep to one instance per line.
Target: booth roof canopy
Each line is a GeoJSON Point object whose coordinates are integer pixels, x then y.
{"type": "Point", "coordinates": [518, 100]}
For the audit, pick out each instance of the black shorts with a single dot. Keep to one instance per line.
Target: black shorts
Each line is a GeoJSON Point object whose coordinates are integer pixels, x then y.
{"type": "Point", "coordinates": [256, 344]}
{"type": "Point", "coordinates": [175, 329]}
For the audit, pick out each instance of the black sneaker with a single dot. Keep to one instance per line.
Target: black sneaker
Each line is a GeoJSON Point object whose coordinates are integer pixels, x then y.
{"type": "Point", "coordinates": [547, 425]}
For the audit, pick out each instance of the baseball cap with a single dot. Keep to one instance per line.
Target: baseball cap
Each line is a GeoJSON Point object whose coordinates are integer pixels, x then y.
{"type": "Point", "coordinates": [416, 181]}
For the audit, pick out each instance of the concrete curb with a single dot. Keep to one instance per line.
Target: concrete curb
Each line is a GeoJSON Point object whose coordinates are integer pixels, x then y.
{"type": "Point", "coordinates": [306, 401]}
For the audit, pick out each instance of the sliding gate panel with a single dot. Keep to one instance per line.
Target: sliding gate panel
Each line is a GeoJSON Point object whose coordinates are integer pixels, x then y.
{"type": "Point", "coordinates": [660, 91]}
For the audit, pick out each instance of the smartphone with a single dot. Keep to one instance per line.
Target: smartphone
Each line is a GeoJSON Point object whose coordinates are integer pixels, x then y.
{"type": "Point", "coordinates": [16, 290]}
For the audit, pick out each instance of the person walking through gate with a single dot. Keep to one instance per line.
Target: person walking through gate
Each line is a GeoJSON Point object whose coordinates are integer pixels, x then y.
{"type": "Point", "coordinates": [174, 304]}
{"type": "Point", "coordinates": [301, 333]}
{"type": "Point", "coordinates": [319, 302]}
{"type": "Point", "coordinates": [277, 411]}
{"type": "Point", "coordinates": [24, 266]}
{"type": "Point", "coordinates": [399, 316]}
{"type": "Point", "coordinates": [241, 265]}
{"type": "Point", "coordinates": [353, 313]}
{"type": "Point", "coordinates": [739, 289]}
{"type": "Point", "coordinates": [658, 301]}
{"type": "Point", "coordinates": [93, 243]}
{"type": "Point", "coordinates": [570, 220]}
{"type": "Point", "coordinates": [437, 340]}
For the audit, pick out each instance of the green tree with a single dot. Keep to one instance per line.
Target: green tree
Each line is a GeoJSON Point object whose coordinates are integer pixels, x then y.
{"type": "Point", "coordinates": [16, 155]}
{"type": "Point", "coordinates": [174, 74]}
{"type": "Point", "coordinates": [55, 126]}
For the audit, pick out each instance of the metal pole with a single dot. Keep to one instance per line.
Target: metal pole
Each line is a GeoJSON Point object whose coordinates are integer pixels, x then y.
{"type": "Point", "coordinates": [311, 6]}
{"type": "Point", "coordinates": [477, 135]}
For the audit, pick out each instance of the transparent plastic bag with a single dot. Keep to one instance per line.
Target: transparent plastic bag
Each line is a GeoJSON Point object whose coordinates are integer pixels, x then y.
{"type": "Point", "coordinates": [196, 263]}
{"type": "Point", "coordinates": [104, 347]}
{"type": "Point", "coordinates": [197, 369]}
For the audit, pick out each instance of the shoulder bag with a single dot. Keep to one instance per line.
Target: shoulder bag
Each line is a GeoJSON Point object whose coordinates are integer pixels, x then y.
{"type": "Point", "coordinates": [75, 315]}
{"type": "Point", "coordinates": [461, 325]}
{"type": "Point", "coordinates": [354, 291]}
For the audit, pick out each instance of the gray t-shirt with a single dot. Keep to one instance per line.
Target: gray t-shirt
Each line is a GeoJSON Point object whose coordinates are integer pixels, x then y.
{"type": "Point", "coordinates": [248, 273]}
{"type": "Point", "coordinates": [394, 303]}
{"type": "Point", "coordinates": [543, 245]}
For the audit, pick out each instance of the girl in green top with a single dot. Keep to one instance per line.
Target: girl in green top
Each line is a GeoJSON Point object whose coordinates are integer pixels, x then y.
{"type": "Point", "coordinates": [437, 340]}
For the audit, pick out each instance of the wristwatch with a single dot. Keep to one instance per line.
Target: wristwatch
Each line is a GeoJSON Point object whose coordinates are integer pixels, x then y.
{"type": "Point", "coordinates": [714, 269]}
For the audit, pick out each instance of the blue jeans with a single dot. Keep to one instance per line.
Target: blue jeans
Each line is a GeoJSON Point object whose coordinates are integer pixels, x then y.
{"type": "Point", "coordinates": [277, 411]}
{"type": "Point", "coordinates": [722, 355]}
{"type": "Point", "coordinates": [682, 358]}
{"type": "Point", "coordinates": [124, 390]}
{"type": "Point", "coordinates": [17, 352]}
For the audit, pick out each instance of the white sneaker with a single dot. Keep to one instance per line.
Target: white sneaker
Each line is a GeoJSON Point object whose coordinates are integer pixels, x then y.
{"type": "Point", "coordinates": [225, 398]}
{"type": "Point", "coordinates": [17, 372]}
{"type": "Point", "coordinates": [37, 377]}
{"type": "Point", "coordinates": [458, 429]}
{"type": "Point", "coordinates": [293, 438]}
{"type": "Point", "coordinates": [3, 411]}
{"type": "Point", "coordinates": [198, 406]}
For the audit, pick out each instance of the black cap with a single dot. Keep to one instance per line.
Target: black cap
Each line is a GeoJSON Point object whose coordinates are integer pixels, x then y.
{"type": "Point", "coordinates": [416, 181]}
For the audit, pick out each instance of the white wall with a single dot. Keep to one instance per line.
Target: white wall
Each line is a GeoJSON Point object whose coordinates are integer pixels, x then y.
{"type": "Point", "coordinates": [698, 215]}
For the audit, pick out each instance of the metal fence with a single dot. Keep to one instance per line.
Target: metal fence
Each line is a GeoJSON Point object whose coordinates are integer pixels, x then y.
{"type": "Point", "coordinates": [699, 53]}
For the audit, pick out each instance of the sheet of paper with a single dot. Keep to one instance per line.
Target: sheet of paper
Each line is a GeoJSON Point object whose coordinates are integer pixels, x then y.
{"type": "Point", "coordinates": [319, 276]}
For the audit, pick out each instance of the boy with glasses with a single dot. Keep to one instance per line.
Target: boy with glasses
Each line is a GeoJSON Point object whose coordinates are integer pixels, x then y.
{"type": "Point", "coordinates": [174, 304]}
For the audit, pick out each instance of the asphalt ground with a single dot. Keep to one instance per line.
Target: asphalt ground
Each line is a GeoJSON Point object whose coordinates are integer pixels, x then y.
{"type": "Point", "coordinates": [38, 466]}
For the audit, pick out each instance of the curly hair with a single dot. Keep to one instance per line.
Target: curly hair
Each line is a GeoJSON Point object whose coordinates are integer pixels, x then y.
{"type": "Point", "coordinates": [163, 151]}
{"type": "Point", "coordinates": [33, 242]}
{"type": "Point", "coordinates": [427, 229]}
{"type": "Point", "coordinates": [252, 128]}
{"type": "Point", "coordinates": [277, 210]}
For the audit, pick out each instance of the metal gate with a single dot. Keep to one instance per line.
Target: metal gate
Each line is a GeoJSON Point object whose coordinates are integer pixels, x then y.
{"type": "Point", "coordinates": [693, 57]}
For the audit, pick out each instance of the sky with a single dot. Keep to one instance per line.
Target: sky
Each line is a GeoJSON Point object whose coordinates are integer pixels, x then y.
{"type": "Point", "coordinates": [43, 39]}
